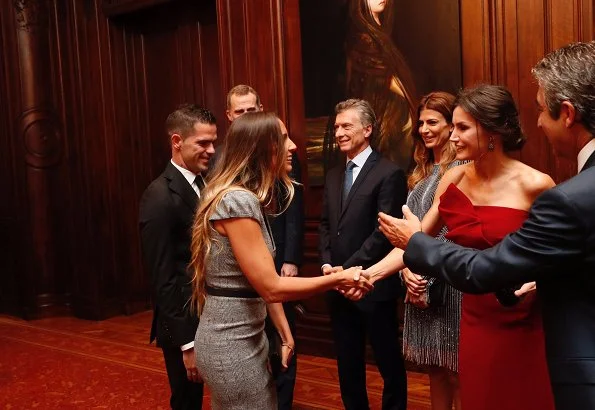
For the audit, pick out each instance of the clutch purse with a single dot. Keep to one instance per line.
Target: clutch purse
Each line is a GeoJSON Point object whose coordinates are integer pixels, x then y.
{"type": "Point", "coordinates": [436, 292]}
{"type": "Point", "coordinates": [275, 345]}
{"type": "Point", "coordinates": [506, 296]}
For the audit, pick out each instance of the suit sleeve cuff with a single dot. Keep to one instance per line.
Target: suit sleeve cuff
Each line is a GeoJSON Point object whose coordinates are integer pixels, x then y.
{"type": "Point", "coordinates": [187, 346]}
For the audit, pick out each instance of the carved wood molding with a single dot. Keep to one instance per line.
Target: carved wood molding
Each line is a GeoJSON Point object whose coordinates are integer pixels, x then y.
{"type": "Point", "coordinates": [113, 8]}
{"type": "Point", "coordinates": [31, 14]}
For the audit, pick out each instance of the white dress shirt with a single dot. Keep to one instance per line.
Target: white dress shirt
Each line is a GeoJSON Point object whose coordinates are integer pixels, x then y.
{"type": "Point", "coordinates": [359, 160]}
{"type": "Point", "coordinates": [189, 175]}
{"type": "Point", "coordinates": [585, 153]}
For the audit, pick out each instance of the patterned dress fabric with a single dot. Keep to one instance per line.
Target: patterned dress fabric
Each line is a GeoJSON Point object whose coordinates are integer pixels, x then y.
{"type": "Point", "coordinates": [502, 361]}
{"type": "Point", "coordinates": [231, 346]}
{"type": "Point", "coordinates": [431, 336]}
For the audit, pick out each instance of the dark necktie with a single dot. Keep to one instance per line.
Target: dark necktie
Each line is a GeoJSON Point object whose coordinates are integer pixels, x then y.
{"type": "Point", "coordinates": [348, 179]}
{"type": "Point", "coordinates": [200, 183]}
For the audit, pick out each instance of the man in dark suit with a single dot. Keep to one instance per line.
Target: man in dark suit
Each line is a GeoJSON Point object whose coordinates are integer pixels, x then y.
{"type": "Point", "coordinates": [166, 215]}
{"type": "Point", "coordinates": [288, 234]}
{"type": "Point", "coordinates": [555, 246]}
{"type": "Point", "coordinates": [354, 193]}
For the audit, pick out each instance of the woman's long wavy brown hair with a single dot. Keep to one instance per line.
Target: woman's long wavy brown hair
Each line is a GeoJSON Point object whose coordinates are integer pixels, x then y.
{"type": "Point", "coordinates": [253, 158]}
{"type": "Point", "coordinates": [362, 21]}
{"type": "Point", "coordinates": [443, 103]}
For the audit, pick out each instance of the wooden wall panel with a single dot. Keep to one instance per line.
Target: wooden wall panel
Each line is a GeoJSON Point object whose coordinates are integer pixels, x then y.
{"type": "Point", "coordinates": [253, 49]}
{"type": "Point", "coordinates": [515, 34]}
{"type": "Point", "coordinates": [102, 88]}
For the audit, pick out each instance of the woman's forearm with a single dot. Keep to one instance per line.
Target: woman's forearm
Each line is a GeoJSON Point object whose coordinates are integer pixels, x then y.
{"type": "Point", "coordinates": [277, 315]}
{"type": "Point", "coordinates": [390, 264]}
{"type": "Point", "coordinates": [295, 288]}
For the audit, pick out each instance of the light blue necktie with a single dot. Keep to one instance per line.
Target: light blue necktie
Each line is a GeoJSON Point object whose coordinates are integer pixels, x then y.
{"type": "Point", "coordinates": [348, 179]}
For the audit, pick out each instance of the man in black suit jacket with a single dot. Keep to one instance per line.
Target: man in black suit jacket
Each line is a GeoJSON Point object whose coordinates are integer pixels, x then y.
{"type": "Point", "coordinates": [555, 246]}
{"type": "Point", "coordinates": [349, 236]}
{"type": "Point", "coordinates": [165, 219]}
{"type": "Point", "coordinates": [288, 234]}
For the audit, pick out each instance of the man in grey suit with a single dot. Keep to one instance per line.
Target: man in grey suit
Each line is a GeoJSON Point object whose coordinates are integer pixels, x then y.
{"type": "Point", "coordinates": [556, 244]}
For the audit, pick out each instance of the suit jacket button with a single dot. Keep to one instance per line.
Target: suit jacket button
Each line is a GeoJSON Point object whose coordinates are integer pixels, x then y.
{"type": "Point", "coordinates": [339, 233]}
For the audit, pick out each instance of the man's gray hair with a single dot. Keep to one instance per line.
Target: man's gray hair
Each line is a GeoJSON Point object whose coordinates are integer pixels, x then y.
{"type": "Point", "coordinates": [364, 110]}
{"type": "Point", "coordinates": [568, 74]}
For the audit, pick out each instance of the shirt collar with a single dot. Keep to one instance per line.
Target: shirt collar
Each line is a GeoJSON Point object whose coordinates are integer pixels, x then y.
{"type": "Point", "coordinates": [585, 153]}
{"type": "Point", "coordinates": [360, 159]}
{"type": "Point", "coordinates": [189, 175]}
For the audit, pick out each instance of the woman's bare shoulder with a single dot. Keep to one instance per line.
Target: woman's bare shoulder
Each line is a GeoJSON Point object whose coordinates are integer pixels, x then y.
{"type": "Point", "coordinates": [454, 174]}
{"type": "Point", "coordinates": [532, 180]}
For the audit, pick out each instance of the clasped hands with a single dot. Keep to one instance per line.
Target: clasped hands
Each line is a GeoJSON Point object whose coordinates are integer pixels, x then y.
{"type": "Point", "coordinates": [355, 283]}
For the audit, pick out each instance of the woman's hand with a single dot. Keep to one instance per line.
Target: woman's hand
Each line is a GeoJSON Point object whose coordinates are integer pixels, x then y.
{"type": "Point", "coordinates": [525, 289]}
{"type": "Point", "coordinates": [416, 284]}
{"type": "Point", "coordinates": [419, 301]}
{"type": "Point", "coordinates": [287, 350]}
{"type": "Point", "coordinates": [353, 278]}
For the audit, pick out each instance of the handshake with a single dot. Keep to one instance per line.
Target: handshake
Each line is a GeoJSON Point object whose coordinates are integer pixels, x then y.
{"type": "Point", "coordinates": [354, 283]}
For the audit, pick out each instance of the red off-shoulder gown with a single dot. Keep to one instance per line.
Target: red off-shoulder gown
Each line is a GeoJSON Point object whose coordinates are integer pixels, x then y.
{"type": "Point", "coordinates": [502, 362]}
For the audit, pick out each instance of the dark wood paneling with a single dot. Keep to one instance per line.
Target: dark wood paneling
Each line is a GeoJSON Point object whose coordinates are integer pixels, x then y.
{"type": "Point", "coordinates": [88, 97]}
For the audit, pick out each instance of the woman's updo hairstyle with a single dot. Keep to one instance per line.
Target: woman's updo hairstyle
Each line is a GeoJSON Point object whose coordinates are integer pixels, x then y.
{"type": "Point", "coordinates": [493, 107]}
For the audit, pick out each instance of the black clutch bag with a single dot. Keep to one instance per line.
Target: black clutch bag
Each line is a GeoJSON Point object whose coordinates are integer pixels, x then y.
{"type": "Point", "coordinates": [436, 292]}
{"type": "Point", "coordinates": [275, 345]}
{"type": "Point", "coordinates": [506, 296]}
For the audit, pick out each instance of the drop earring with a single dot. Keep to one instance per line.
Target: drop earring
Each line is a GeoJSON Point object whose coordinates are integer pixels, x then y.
{"type": "Point", "coordinates": [491, 144]}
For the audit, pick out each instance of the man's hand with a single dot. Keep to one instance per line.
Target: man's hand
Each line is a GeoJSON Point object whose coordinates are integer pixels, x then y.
{"type": "Point", "coordinates": [289, 270]}
{"type": "Point", "coordinates": [190, 365]}
{"type": "Point", "coordinates": [355, 294]}
{"type": "Point", "coordinates": [328, 269]}
{"type": "Point", "coordinates": [398, 231]}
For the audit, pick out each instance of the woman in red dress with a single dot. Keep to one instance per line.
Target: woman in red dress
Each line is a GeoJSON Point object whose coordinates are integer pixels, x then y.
{"type": "Point", "coordinates": [501, 353]}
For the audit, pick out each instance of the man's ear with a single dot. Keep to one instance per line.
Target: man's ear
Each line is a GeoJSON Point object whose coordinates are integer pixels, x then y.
{"type": "Point", "coordinates": [176, 140]}
{"type": "Point", "coordinates": [569, 113]}
{"type": "Point", "coordinates": [368, 130]}
{"type": "Point", "coordinates": [260, 108]}
{"type": "Point", "coordinates": [228, 113]}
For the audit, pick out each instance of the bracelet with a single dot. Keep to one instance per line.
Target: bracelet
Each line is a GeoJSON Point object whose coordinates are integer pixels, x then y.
{"type": "Point", "coordinates": [288, 345]}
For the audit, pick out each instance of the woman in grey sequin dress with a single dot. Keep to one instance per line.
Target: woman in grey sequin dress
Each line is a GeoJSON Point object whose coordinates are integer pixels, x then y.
{"type": "Point", "coordinates": [235, 282]}
{"type": "Point", "coordinates": [431, 333]}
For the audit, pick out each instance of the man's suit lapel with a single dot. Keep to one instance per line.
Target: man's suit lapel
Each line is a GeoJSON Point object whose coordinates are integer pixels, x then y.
{"type": "Point", "coordinates": [179, 185]}
{"type": "Point", "coordinates": [368, 165]}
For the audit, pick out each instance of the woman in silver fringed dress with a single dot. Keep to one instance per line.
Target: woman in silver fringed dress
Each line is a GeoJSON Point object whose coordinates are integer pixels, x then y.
{"type": "Point", "coordinates": [431, 330]}
{"type": "Point", "coordinates": [235, 283]}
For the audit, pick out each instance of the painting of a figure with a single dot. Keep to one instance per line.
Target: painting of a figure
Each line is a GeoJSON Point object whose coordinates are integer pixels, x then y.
{"type": "Point", "coordinates": [381, 51]}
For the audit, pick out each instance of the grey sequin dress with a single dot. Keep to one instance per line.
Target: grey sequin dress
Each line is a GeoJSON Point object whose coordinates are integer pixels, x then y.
{"type": "Point", "coordinates": [431, 336]}
{"type": "Point", "coordinates": [230, 344]}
